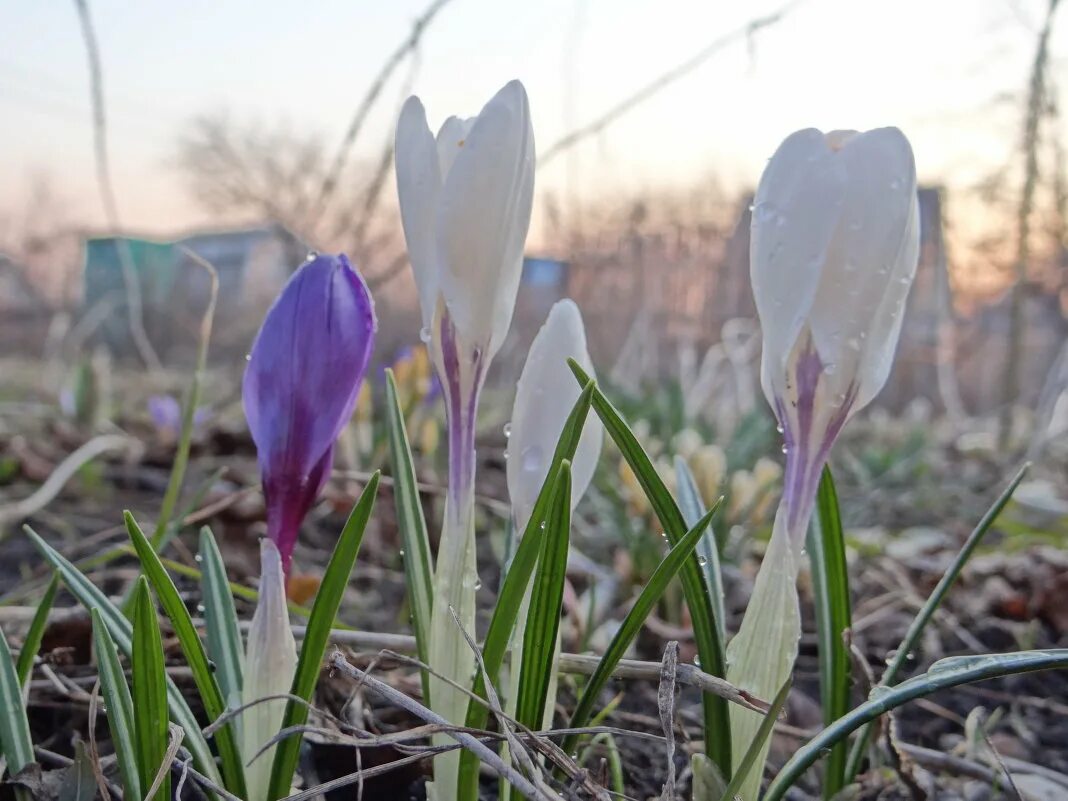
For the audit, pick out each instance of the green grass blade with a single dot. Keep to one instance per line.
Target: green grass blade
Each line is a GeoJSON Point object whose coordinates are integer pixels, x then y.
{"type": "Point", "coordinates": [418, 567]}
{"type": "Point", "coordinates": [546, 599]}
{"type": "Point", "coordinates": [830, 589]}
{"type": "Point", "coordinates": [514, 587]}
{"type": "Point", "coordinates": [316, 635]}
{"type": "Point", "coordinates": [945, 673]}
{"type": "Point", "coordinates": [119, 627]}
{"type": "Point", "coordinates": [32, 644]}
{"type": "Point", "coordinates": [220, 619]}
{"type": "Point", "coordinates": [915, 630]}
{"type": "Point", "coordinates": [15, 739]}
{"type": "Point", "coordinates": [698, 598]}
{"type": "Point", "coordinates": [149, 692]}
{"type": "Point", "coordinates": [119, 705]}
{"type": "Point", "coordinates": [676, 558]}
{"type": "Point", "coordinates": [754, 753]}
{"type": "Point", "coordinates": [195, 655]}
{"type": "Point", "coordinates": [192, 401]}
{"type": "Point", "coordinates": [693, 509]}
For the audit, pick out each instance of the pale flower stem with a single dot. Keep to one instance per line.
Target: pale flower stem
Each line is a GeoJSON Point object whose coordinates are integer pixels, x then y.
{"type": "Point", "coordinates": [760, 657]}
{"type": "Point", "coordinates": [455, 580]}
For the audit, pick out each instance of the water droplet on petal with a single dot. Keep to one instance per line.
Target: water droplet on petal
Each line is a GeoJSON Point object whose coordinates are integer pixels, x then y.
{"type": "Point", "coordinates": [200, 609]}
{"type": "Point", "coordinates": [248, 357]}
{"type": "Point", "coordinates": [530, 460]}
{"type": "Point", "coordinates": [312, 255]}
{"type": "Point", "coordinates": [424, 334]}
{"type": "Point", "coordinates": [702, 560]}
{"type": "Point", "coordinates": [829, 368]}
{"type": "Point", "coordinates": [507, 430]}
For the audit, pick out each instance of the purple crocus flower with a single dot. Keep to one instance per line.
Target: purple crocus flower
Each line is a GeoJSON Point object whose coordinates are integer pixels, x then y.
{"type": "Point", "coordinates": [301, 383]}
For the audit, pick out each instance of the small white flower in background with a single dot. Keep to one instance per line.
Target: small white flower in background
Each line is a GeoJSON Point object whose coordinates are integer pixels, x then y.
{"type": "Point", "coordinates": [465, 201]}
{"type": "Point", "coordinates": [834, 247]}
{"type": "Point", "coordinates": [545, 394]}
{"type": "Point", "coordinates": [270, 664]}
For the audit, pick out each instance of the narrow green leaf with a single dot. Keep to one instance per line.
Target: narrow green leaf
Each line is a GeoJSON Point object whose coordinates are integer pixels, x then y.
{"type": "Point", "coordinates": [915, 630]}
{"type": "Point", "coordinates": [189, 411]}
{"type": "Point", "coordinates": [675, 559]}
{"type": "Point", "coordinates": [830, 590]}
{"type": "Point", "coordinates": [317, 634]}
{"type": "Point", "coordinates": [119, 705]}
{"type": "Point", "coordinates": [195, 656]}
{"type": "Point", "coordinates": [149, 692]}
{"type": "Point", "coordinates": [418, 567]}
{"type": "Point", "coordinates": [514, 588]}
{"type": "Point", "coordinates": [32, 644]}
{"type": "Point", "coordinates": [15, 739]}
{"type": "Point", "coordinates": [546, 599]}
{"type": "Point", "coordinates": [693, 509]}
{"type": "Point", "coordinates": [220, 619]}
{"type": "Point", "coordinates": [755, 750]}
{"type": "Point", "coordinates": [945, 673]}
{"type": "Point", "coordinates": [716, 715]}
{"type": "Point", "coordinates": [121, 630]}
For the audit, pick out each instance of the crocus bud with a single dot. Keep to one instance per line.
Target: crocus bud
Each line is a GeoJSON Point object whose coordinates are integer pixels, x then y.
{"type": "Point", "coordinates": [544, 396]}
{"type": "Point", "coordinates": [835, 241]}
{"type": "Point", "coordinates": [465, 202]}
{"type": "Point", "coordinates": [301, 383]}
{"type": "Point", "coordinates": [270, 664]}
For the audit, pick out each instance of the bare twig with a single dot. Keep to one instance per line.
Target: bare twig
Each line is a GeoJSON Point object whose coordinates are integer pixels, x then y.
{"type": "Point", "coordinates": [665, 701]}
{"type": "Point", "coordinates": [107, 190]}
{"type": "Point", "coordinates": [480, 749]}
{"type": "Point", "coordinates": [333, 174]}
{"type": "Point", "coordinates": [657, 84]}
{"type": "Point", "coordinates": [175, 743]}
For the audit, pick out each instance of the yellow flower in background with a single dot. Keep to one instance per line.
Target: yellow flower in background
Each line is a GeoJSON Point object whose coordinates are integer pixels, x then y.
{"type": "Point", "coordinates": [709, 466]}
{"type": "Point", "coordinates": [637, 503]}
{"type": "Point", "coordinates": [767, 475]}
{"type": "Point", "coordinates": [743, 493]}
{"type": "Point", "coordinates": [429, 436]}
{"type": "Point", "coordinates": [687, 442]}
{"type": "Point", "coordinates": [364, 407]}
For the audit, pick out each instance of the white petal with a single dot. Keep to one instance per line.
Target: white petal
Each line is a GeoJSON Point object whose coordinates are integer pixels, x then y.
{"type": "Point", "coordinates": [878, 357]}
{"type": "Point", "coordinates": [483, 217]}
{"type": "Point", "coordinates": [862, 258]}
{"type": "Point", "coordinates": [795, 213]}
{"type": "Point", "coordinates": [546, 391]}
{"type": "Point", "coordinates": [452, 136]}
{"type": "Point", "coordinates": [418, 188]}
{"type": "Point", "coordinates": [270, 664]}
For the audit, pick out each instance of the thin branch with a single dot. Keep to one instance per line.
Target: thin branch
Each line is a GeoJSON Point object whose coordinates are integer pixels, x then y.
{"type": "Point", "coordinates": [652, 88]}
{"type": "Point", "coordinates": [107, 190]}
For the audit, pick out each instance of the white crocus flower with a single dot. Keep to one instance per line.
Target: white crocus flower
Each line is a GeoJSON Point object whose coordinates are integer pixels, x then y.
{"type": "Point", "coordinates": [834, 247]}
{"type": "Point", "coordinates": [270, 664]}
{"type": "Point", "coordinates": [546, 392]}
{"type": "Point", "coordinates": [465, 201]}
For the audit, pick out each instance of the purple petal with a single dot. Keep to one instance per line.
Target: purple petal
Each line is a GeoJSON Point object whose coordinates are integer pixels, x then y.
{"type": "Point", "coordinates": [301, 383]}
{"type": "Point", "coordinates": [166, 413]}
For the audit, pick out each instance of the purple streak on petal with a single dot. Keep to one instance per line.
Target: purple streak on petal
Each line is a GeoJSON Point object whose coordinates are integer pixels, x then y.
{"type": "Point", "coordinates": [463, 384]}
{"type": "Point", "coordinates": [301, 384]}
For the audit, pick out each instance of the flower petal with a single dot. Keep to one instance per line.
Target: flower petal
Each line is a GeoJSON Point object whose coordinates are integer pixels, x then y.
{"type": "Point", "coordinates": [544, 396]}
{"type": "Point", "coordinates": [795, 213]}
{"type": "Point", "coordinates": [483, 217]}
{"type": "Point", "coordinates": [418, 185]}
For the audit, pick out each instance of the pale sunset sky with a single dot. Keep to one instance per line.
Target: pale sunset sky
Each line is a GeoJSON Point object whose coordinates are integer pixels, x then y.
{"type": "Point", "coordinates": [950, 73]}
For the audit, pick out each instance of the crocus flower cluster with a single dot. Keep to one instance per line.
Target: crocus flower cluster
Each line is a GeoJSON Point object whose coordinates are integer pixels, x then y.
{"type": "Point", "coordinates": [465, 200]}
{"type": "Point", "coordinates": [835, 243]}
{"type": "Point", "coordinates": [301, 384]}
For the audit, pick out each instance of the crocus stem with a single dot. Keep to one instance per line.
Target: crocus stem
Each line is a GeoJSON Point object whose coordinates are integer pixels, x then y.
{"type": "Point", "coordinates": [456, 571]}
{"type": "Point", "coordinates": [761, 656]}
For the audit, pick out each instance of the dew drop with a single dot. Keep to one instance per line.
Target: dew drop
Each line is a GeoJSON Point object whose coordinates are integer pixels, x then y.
{"type": "Point", "coordinates": [696, 661]}
{"type": "Point", "coordinates": [402, 553]}
{"type": "Point", "coordinates": [312, 255]}
{"type": "Point", "coordinates": [785, 449]}
{"type": "Point", "coordinates": [507, 430]}
{"type": "Point", "coordinates": [829, 368]}
{"type": "Point", "coordinates": [198, 558]}
{"type": "Point", "coordinates": [248, 357]}
{"type": "Point", "coordinates": [779, 428]}
{"type": "Point", "coordinates": [478, 583]}
{"type": "Point", "coordinates": [200, 609]}
{"type": "Point", "coordinates": [530, 460]}
{"type": "Point", "coordinates": [702, 560]}
{"type": "Point", "coordinates": [424, 334]}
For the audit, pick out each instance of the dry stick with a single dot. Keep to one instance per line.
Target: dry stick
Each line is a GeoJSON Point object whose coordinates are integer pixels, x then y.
{"type": "Point", "coordinates": [107, 191]}
{"type": "Point", "coordinates": [333, 175]}
{"type": "Point", "coordinates": [177, 735]}
{"type": "Point", "coordinates": [94, 753]}
{"type": "Point", "coordinates": [63, 473]}
{"type": "Point", "coordinates": [399, 699]}
{"type": "Point", "coordinates": [665, 701]}
{"type": "Point", "coordinates": [654, 86]}
{"type": "Point", "coordinates": [1036, 107]}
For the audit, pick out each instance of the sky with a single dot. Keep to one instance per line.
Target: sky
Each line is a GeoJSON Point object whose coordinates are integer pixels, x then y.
{"type": "Point", "coordinates": [948, 72]}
